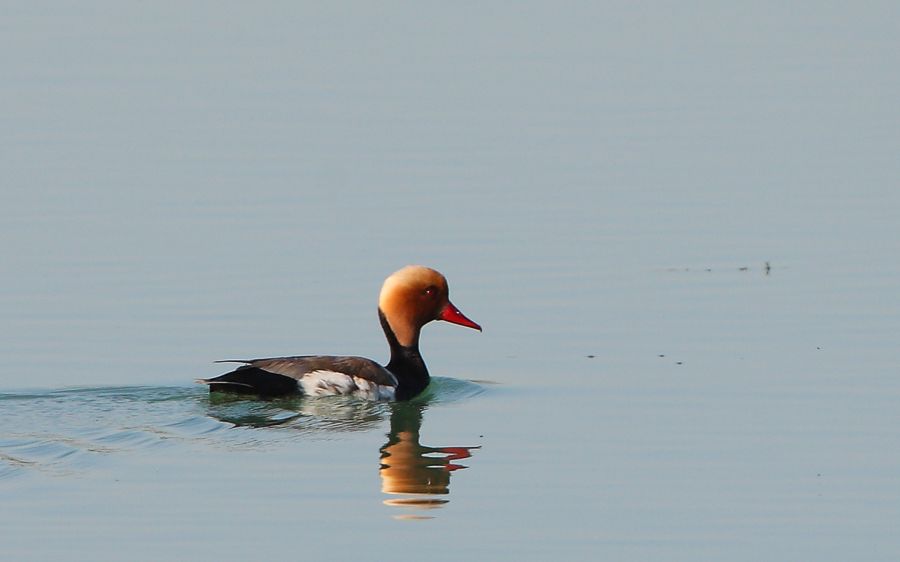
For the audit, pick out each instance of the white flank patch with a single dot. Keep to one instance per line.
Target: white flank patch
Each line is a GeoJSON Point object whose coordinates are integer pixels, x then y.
{"type": "Point", "coordinates": [327, 383]}
{"type": "Point", "coordinates": [371, 391]}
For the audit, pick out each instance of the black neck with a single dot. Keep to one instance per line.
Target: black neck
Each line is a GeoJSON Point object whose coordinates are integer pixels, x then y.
{"type": "Point", "coordinates": [406, 364]}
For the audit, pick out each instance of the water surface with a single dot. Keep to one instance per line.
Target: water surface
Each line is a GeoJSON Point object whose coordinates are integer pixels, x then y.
{"type": "Point", "coordinates": [676, 223]}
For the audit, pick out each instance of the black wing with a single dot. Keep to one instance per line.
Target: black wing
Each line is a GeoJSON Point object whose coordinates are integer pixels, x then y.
{"type": "Point", "coordinates": [277, 376]}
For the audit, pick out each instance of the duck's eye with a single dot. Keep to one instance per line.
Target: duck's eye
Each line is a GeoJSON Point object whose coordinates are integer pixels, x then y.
{"type": "Point", "coordinates": [430, 292]}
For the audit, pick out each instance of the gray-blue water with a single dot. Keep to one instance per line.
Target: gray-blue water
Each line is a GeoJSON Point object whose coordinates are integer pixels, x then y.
{"type": "Point", "coordinates": [677, 224]}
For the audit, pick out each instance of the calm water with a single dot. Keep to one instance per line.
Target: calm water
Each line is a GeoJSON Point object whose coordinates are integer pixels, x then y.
{"type": "Point", "coordinates": [677, 224]}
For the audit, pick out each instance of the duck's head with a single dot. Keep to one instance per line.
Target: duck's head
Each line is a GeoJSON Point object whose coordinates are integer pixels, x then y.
{"type": "Point", "coordinates": [413, 297]}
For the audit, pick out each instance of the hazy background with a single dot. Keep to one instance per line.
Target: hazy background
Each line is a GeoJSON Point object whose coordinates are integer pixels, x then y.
{"type": "Point", "coordinates": [189, 182]}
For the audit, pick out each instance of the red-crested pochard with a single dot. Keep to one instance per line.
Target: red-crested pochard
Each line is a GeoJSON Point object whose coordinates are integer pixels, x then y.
{"type": "Point", "coordinates": [410, 298]}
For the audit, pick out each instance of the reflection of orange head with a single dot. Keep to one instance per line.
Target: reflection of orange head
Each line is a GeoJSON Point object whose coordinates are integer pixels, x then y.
{"type": "Point", "coordinates": [417, 475]}
{"type": "Point", "coordinates": [406, 470]}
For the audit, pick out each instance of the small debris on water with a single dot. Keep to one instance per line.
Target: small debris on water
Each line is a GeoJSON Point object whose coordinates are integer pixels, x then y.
{"type": "Point", "coordinates": [766, 268]}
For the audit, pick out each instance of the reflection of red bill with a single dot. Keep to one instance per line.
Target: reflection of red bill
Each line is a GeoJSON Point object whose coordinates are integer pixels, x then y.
{"type": "Point", "coordinates": [456, 453]}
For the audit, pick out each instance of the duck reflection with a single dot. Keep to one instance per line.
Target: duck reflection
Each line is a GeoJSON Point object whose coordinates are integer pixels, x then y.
{"type": "Point", "coordinates": [417, 474]}
{"type": "Point", "coordinates": [304, 415]}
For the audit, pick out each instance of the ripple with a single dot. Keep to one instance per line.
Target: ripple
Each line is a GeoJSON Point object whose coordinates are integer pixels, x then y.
{"type": "Point", "coordinates": [194, 426]}
{"type": "Point", "coordinates": [128, 438]}
{"type": "Point", "coordinates": [445, 390]}
{"type": "Point", "coordinates": [46, 453]}
{"type": "Point", "coordinates": [67, 430]}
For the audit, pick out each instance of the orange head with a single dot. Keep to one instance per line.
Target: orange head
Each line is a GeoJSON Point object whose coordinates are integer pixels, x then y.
{"type": "Point", "coordinates": [414, 296]}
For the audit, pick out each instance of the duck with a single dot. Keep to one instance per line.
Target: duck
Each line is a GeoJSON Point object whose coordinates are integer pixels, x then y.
{"type": "Point", "coordinates": [410, 298]}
